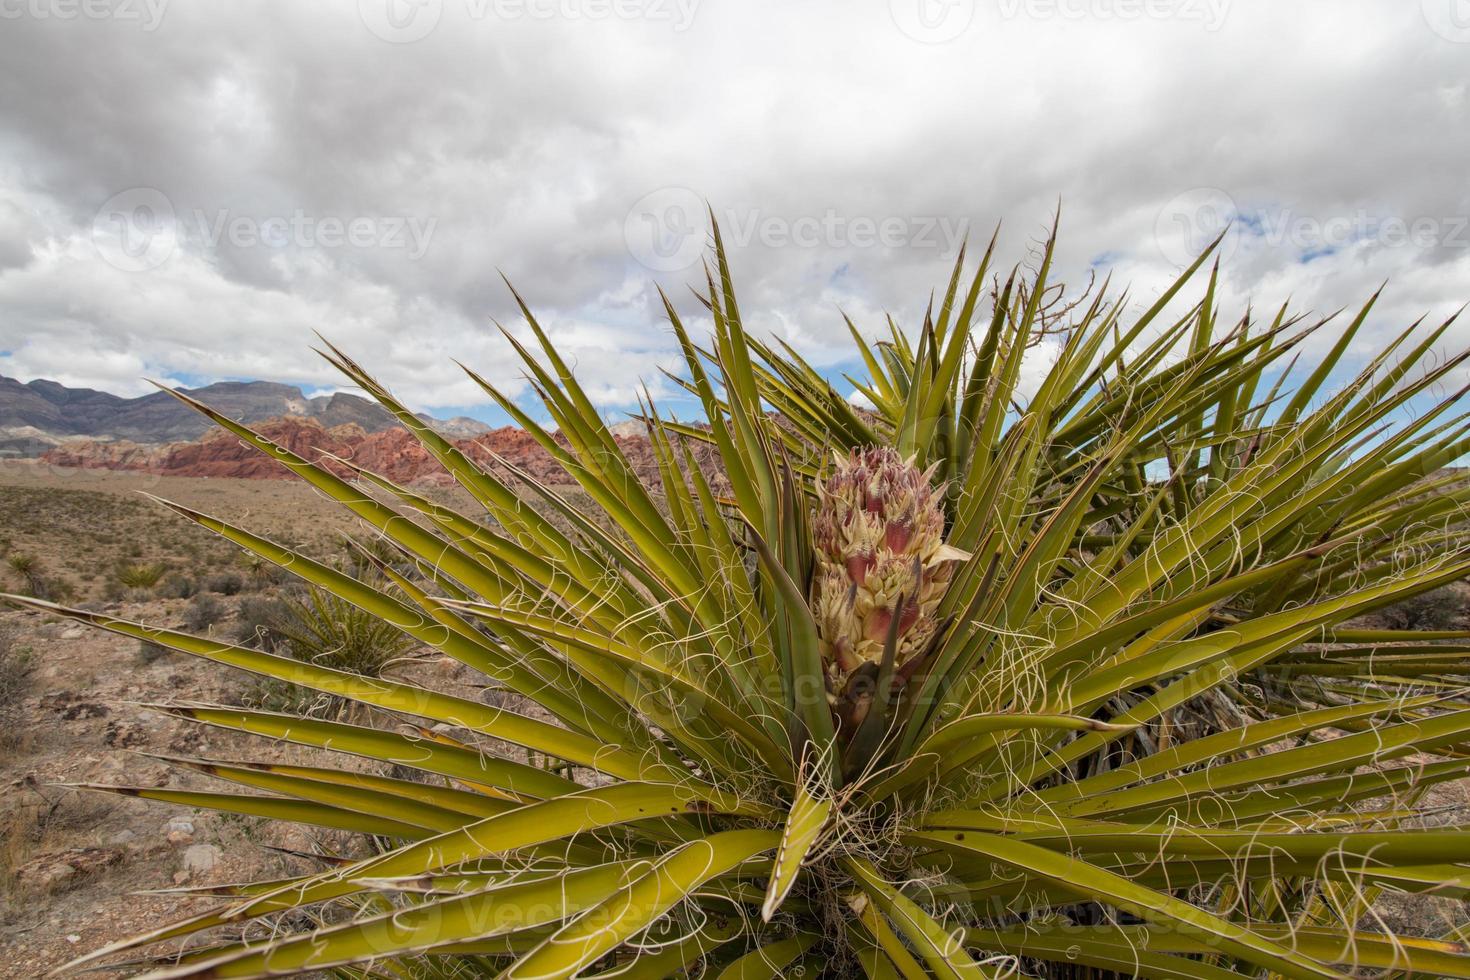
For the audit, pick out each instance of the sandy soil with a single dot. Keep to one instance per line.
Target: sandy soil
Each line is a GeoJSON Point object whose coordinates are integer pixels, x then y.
{"type": "Point", "coordinates": [73, 861]}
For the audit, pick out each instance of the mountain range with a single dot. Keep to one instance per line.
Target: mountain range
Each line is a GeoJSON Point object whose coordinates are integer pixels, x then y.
{"type": "Point", "coordinates": [40, 415]}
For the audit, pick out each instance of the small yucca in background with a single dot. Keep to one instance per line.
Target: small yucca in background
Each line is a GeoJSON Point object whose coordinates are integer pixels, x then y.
{"type": "Point", "coordinates": [140, 575]}
{"type": "Point", "coordinates": [322, 629]}
{"type": "Point", "coordinates": [31, 573]}
{"type": "Point", "coordinates": [1059, 682]}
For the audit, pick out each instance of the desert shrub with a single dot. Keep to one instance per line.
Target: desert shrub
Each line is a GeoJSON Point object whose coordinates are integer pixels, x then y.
{"type": "Point", "coordinates": [256, 622]}
{"type": "Point", "coordinates": [33, 579]}
{"type": "Point", "coordinates": [261, 574]}
{"type": "Point", "coordinates": [178, 586]}
{"type": "Point", "coordinates": [1438, 609]}
{"type": "Point", "coordinates": [203, 612]}
{"type": "Point", "coordinates": [140, 575]}
{"type": "Point", "coordinates": [17, 664]}
{"type": "Point", "coordinates": [148, 651]}
{"type": "Point", "coordinates": [224, 583]}
{"type": "Point", "coordinates": [322, 629]}
{"type": "Point", "coordinates": [362, 558]}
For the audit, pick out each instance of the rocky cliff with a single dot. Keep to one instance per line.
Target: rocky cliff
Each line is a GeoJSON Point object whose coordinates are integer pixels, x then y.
{"type": "Point", "coordinates": [392, 453]}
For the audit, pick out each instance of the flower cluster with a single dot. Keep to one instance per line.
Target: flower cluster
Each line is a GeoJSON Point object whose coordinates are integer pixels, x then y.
{"type": "Point", "coordinates": [879, 537]}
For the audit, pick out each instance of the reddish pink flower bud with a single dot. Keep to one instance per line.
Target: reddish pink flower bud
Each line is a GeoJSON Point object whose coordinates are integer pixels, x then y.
{"type": "Point", "coordinates": [879, 536]}
{"type": "Point", "coordinates": [897, 534]}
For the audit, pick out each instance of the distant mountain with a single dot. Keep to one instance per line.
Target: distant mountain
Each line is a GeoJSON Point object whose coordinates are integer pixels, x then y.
{"type": "Point", "coordinates": [459, 427]}
{"type": "Point", "coordinates": [41, 414]}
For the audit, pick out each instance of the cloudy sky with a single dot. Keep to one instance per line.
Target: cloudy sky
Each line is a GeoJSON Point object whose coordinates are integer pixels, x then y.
{"type": "Point", "coordinates": [188, 189]}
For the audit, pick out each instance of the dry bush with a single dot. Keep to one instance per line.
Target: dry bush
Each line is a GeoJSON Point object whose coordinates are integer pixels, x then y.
{"type": "Point", "coordinates": [140, 575]}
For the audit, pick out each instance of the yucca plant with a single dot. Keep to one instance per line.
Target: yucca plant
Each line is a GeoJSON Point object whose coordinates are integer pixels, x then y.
{"type": "Point", "coordinates": [328, 631]}
{"type": "Point", "coordinates": [978, 682]}
{"type": "Point", "coordinates": [140, 575]}
{"type": "Point", "coordinates": [28, 568]}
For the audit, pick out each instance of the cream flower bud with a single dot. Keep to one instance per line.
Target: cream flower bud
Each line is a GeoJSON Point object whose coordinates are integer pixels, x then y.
{"type": "Point", "coordinates": [879, 539]}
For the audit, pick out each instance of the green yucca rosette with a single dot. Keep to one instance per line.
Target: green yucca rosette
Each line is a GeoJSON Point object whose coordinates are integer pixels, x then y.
{"type": "Point", "coordinates": [1062, 682]}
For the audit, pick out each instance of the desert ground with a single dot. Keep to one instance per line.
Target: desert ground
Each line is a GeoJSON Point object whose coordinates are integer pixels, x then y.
{"type": "Point", "coordinates": [80, 868]}
{"type": "Point", "coordinates": [75, 705]}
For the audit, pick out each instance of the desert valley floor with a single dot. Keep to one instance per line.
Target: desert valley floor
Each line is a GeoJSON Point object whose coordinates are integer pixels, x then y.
{"type": "Point", "coordinates": [73, 861]}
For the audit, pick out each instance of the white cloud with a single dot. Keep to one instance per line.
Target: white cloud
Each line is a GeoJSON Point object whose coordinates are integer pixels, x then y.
{"type": "Point", "coordinates": [520, 143]}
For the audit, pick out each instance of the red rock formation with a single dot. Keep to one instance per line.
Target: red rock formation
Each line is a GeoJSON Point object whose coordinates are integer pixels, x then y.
{"type": "Point", "coordinates": [393, 453]}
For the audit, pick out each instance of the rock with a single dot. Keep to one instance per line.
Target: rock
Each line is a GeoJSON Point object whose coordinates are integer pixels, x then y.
{"type": "Point", "coordinates": [123, 735]}
{"type": "Point", "coordinates": [201, 859]}
{"type": "Point", "coordinates": [122, 837]}
{"type": "Point", "coordinates": [188, 741]}
{"type": "Point", "coordinates": [62, 869]}
{"type": "Point", "coordinates": [48, 878]}
{"type": "Point", "coordinates": [179, 830]}
{"type": "Point", "coordinates": [71, 707]}
{"type": "Point", "coordinates": [393, 452]}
